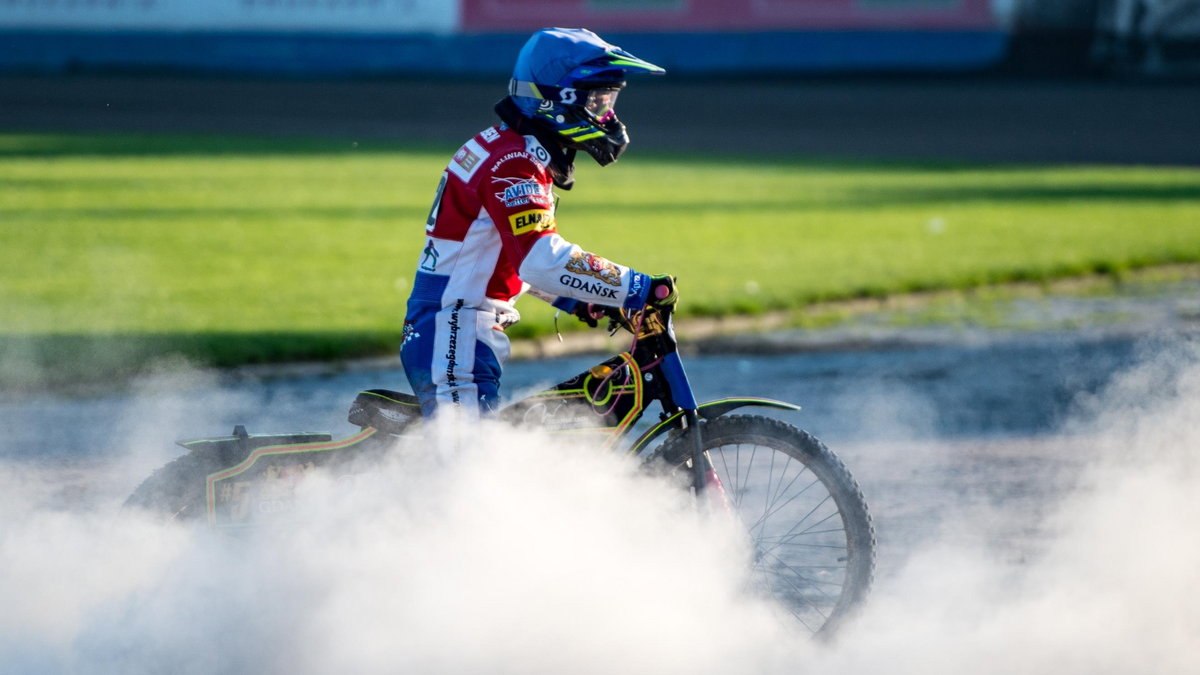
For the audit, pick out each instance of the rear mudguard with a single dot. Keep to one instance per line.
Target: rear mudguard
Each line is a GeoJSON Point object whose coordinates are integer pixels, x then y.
{"type": "Point", "coordinates": [708, 411]}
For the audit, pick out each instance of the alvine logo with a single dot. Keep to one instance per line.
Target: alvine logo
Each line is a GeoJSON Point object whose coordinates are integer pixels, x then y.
{"type": "Point", "coordinates": [521, 191]}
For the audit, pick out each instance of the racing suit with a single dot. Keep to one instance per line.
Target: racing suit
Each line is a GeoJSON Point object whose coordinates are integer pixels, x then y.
{"type": "Point", "coordinates": [490, 237]}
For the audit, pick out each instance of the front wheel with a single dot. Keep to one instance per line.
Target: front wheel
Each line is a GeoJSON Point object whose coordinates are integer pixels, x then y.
{"type": "Point", "coordinates": [812, 541]}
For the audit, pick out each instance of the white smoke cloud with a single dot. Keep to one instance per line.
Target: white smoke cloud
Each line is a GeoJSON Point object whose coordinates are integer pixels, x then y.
{"type": "Point", "coordinates": [520, 556]}
{"type": "Point", "coordinates": [527, 555]}
{"type": "Point", "coordinates": [1111, 587]}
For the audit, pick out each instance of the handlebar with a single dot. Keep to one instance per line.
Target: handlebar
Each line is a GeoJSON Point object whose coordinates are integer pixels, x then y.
{"type": "Point", "coordinates": [649, 320]}
{"type": "Point", "coordinates": [655, 322]}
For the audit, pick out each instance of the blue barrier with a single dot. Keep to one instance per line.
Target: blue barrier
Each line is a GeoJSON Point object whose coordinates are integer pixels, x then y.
{"type": "Point", "coordinates": [344, 54]}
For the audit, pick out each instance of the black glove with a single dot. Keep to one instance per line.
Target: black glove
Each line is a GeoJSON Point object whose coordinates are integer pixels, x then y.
{"type": "Point", "coordinates": [588, 313]}
{"type": "Point", "coordinates": [662, 292]}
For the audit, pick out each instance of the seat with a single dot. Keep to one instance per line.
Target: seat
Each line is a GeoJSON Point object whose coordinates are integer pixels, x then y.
{"type": "Point", "coordinates": [388, 411]}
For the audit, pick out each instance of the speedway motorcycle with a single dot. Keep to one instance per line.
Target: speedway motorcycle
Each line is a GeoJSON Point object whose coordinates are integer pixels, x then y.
{"type": "Point", "coordinates": [807, 521]}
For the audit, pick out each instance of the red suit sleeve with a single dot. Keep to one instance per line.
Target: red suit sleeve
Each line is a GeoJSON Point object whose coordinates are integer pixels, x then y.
{"type": "Point", "coordinates": [519, 198]}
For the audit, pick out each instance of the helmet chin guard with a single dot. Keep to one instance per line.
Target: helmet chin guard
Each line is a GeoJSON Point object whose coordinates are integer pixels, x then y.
{"type": "Point", "coordinates": [608, 148]}
{"type": "Point", "coordinates": [567, 80]}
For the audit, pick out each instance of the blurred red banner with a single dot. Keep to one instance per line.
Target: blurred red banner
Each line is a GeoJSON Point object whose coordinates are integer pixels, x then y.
{"type": "Point", "coordinates": [726, 15]}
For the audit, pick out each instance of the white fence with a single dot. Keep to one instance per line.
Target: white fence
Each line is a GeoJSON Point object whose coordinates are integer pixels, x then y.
{"type": "Point", "coordinates": [361, 16]}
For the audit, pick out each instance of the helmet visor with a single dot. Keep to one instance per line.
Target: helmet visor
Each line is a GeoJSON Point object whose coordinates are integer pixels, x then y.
{"type": "Point", "coordinates": [602, 103]}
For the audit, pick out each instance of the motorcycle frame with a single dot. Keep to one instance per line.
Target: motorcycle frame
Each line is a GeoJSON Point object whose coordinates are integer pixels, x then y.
{"type": "Point", "coordinates": [653, 371]}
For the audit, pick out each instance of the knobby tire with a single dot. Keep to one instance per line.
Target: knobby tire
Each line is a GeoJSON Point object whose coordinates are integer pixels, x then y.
{"type": "Point", "coordinates": [177, 489]}
{"type": "Point", "coordinates": [810, 531]}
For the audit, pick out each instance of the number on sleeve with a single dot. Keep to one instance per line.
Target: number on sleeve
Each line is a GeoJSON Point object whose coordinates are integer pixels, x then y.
{"type": "Point", "coordinates": [437, 204]}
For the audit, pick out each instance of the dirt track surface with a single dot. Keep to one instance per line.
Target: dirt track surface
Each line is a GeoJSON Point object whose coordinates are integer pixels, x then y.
{"type": "Point", "coordinates": [984, 119]}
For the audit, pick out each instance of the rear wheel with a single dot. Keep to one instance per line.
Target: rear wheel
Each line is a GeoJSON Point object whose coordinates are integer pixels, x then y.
{"type": "Point", "coordinates": [811, 534]}
{"type": "Point", "coordinates": [177, 490]}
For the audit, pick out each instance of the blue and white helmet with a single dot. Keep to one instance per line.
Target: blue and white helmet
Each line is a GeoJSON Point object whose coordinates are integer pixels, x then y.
{"type": "Point", "coordinates": [567, 79]}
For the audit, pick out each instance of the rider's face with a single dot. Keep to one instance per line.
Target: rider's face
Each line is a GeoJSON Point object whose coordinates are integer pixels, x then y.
{"type": "Point", "coordinates": [602, 103]}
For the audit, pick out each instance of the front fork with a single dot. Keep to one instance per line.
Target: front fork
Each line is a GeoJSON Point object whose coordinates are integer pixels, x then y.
{"type": "Point", "coordinates": [704, 476]}
{"type": "Point", "coordinates": [705, 480]}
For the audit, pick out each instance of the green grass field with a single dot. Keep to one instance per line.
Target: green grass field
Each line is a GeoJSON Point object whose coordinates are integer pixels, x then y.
{"type": "Point", "coordinates": [115, 250]}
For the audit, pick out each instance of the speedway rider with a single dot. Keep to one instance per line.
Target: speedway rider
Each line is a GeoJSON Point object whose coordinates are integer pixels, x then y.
{"type": "Point", "coordinates": [492, 234]}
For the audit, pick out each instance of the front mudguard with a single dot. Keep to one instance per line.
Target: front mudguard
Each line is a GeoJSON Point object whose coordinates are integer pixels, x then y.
{"type": "Point", "coordinates": [709, 410]}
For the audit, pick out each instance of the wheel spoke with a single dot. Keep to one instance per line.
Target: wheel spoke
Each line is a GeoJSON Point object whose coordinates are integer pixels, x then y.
{"type": "Point", "coordinates": [790, 534]}
{"type": "Point", "coordinates": [778, 507]}
{"type": "Point", "coordinates": [811, 585]}
{"type": "Point", "coordinates": [810, 555]}
{"type": "Point", "coordinates": [737, 496]}
{"type": "Point", "coordinates": [791, 579]}
{"type": "Point", "coordinates": [768, 497]}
